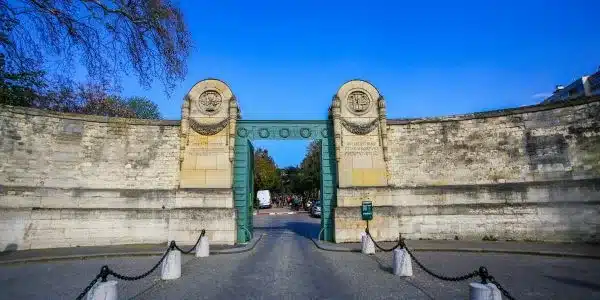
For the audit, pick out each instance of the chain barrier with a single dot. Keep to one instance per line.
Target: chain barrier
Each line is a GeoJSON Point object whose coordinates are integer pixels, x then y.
{"type": "Point", "coordinates": [105, 270]}
{"type": "Point", "coordinates": [133, 278]}
{"type": "Point", "coordinates": [193, 247]}
{"type": "Point", "coordinates": [442, 277]}
{"type": "Point", "coordinates": [504, 291]}
{"type": "Point", "coordinates": [482, 272]}
{"type": "Point", "coordinates": [88, 288]}
{"type": "Point", "coordinates": [381, 248]}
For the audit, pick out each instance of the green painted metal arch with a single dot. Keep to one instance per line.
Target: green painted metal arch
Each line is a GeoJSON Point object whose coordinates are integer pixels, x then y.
{"type": "Point", "coordinates": [243, 185]}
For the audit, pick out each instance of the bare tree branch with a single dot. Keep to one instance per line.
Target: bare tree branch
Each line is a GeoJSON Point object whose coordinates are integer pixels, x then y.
{"type": "Point", "coordinates": [109, 38]}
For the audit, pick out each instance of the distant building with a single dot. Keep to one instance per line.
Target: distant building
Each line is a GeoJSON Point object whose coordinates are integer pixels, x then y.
{"type": "Point", "coordinates": [584, 86]}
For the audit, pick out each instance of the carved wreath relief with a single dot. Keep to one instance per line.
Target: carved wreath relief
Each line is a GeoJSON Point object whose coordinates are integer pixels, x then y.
{"type": "Point", "coordinates": [359, 102]}
{"type": "Point", "coordinates": [208, 129]}
{"type": "Point", "coordinates": [210, 102]}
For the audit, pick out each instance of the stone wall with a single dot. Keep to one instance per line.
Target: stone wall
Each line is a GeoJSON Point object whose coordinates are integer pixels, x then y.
{"type": "Point", "coordinates": [44, 149]}
{"type": "Point", "coordinates": [529, 173]}
{"type": "Point", "coordinates": [521, 145]}
{"type": "Point", "coordinates": [68, 180]}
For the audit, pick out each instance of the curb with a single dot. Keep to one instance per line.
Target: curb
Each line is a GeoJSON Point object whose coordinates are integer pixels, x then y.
{"type": "Point", "coordinates": [330, 247]}
{"type": "Point", "coordinates": [248, 247]}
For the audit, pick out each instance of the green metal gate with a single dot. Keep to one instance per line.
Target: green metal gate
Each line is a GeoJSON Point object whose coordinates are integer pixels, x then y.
{"type": "Point", "coordinates": [243, 179]}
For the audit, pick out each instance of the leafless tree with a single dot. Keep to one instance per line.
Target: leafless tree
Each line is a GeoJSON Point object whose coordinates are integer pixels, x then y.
{"type": "Point", "coordinates": [110, 38]}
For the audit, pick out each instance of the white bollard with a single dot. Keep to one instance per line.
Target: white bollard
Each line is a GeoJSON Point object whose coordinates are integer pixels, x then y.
{"type": "Point", "coordinates": [402, 263]}
{"type": "Point", "coordinates": [480, 291]}
{"type": "Point", "coordinates": [171, 266]}
{"type": "Point", "coordinates": [103, 291]}
{"type": "Point", "coordinates": [203, 249]}
{"type": "Point", "coordinates": [368, 247]}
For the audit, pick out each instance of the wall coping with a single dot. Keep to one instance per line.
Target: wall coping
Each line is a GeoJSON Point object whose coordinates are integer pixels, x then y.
{"type": "Point", "coordinates": [496, 113]}
{"type": "Point", "coordinates": [459, 117]}
{"type": "Point", "coordinates": [88, 118]}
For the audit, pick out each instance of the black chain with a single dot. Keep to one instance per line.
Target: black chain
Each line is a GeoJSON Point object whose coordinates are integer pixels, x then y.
{"type": "Point", "coordinates": [193, 247]}
{"type": "Point", "coordinates": [105, 270]}
{"type": "Point", "coordinates": [381, 248]}
{"type": "Point", "coordinates": [132, 278]}
{"type": "Point", "coordinates": [442, 277]}
{"type": "Point", "coordinates": [88, 288]}
{"type": "Point", "coordinates": [504, 292]}
{"type": "Point", "coordinates": [482, 272]}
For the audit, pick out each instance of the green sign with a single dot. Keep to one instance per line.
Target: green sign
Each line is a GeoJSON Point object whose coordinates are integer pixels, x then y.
{"type": "Point", "coordinates": [366, 210]}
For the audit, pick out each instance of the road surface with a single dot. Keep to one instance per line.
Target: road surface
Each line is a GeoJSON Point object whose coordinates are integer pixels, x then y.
{"type": "Point", "coordinates": [286, 265]}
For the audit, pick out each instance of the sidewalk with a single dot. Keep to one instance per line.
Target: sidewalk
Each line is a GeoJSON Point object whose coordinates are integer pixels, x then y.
{"type": "Point", "coordinates": [516, 247]}
{"type": "Point", "coordinates": [34, 255]}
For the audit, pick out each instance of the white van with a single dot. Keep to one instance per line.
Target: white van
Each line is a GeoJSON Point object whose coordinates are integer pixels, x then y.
{"type": "Point", "coordinates": [264, 198]}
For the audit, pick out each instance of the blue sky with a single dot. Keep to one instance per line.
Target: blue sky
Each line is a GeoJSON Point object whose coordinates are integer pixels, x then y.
{"type": "Point", "coordinates": [286, 59]}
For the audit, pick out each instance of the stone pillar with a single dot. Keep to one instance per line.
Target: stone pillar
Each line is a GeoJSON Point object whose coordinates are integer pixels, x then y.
{"type": "Point", "coordinates": [209, 115]}
{"type": "Point", "coordinates": [360, 135]}
{"type": "Point", "coordinates": [359, 121]}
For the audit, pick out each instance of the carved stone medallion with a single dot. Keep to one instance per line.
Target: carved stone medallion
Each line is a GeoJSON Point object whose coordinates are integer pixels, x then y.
{"type": "Point", "coordinates": [210, 102]}
{"type": "Point", "coordinates": [305, 132]}
{"type": "Point", "coordinates": [284, 132]}
{"type": "Point", "coordinates": [263, 133]}
{"type": "Point", "coordinates": [358, 102]}
{"type": "Point", "coordinates": [242, 132]}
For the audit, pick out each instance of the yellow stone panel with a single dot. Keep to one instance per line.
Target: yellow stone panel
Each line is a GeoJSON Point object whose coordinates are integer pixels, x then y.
{"type": "Point", "coordinates": [357, 177]}
{"type": "Point", "coordinates": [206, 162]}
{"type": "Point", "coordinates": [223, 162]}
{"type": "Point", "coordinates": [189, 162]}
{"type": "Point", "coordinates": [218, 179]}
{"type": "Point", "coordinates": [374, 177]}
{"type": "Point", "coordinates": [362, 162]}
{"type": "Point", "coordinates": [193, 178]}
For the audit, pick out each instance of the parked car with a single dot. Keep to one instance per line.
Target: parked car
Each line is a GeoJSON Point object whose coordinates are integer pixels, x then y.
{"type": "Point", "coordinates": [315, 209]}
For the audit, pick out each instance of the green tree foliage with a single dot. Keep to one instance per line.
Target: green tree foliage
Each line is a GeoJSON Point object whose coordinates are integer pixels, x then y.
{"type": "Point", "coordinates": [305, 179]}
{"type": "Point", "coordinates": [19, 88]}
{"type": "Point", "coordinates": [143, 108]}
{"type": "Point", "coordinates": [311, 170]}
{"type": "Point", "coordinates": [31, 90]}
{"type": "Point", "coordinates": [266, 174]}
{"type": "Point", "coordinates": [116, 106]}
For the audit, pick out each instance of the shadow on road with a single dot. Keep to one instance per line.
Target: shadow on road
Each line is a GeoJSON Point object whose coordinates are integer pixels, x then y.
{"type": "Point", "coordinates": [304, 229]}
{"type": "Point", "coordinates": [575, 282]}
{"type": "Point", "coordinates": [388, 268]}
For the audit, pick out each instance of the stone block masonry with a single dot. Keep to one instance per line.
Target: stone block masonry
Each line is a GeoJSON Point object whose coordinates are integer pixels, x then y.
{"type": "Point", "coordinates": [45, 149]}
{"type": "Point", "coordinates": [71, 180]}
{"type": "Point", "coordinates": [521, 145]}
{"type": "Point", "coordinates": [530, 173]}
{"type": "Point", "coordinates": [562, 211]}
{"type": "Point", "coordinates": [57, 217]}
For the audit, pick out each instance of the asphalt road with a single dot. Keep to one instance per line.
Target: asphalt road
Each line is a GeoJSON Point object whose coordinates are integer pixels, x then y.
{"type": "Point", "coordinates": [286, 265]}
